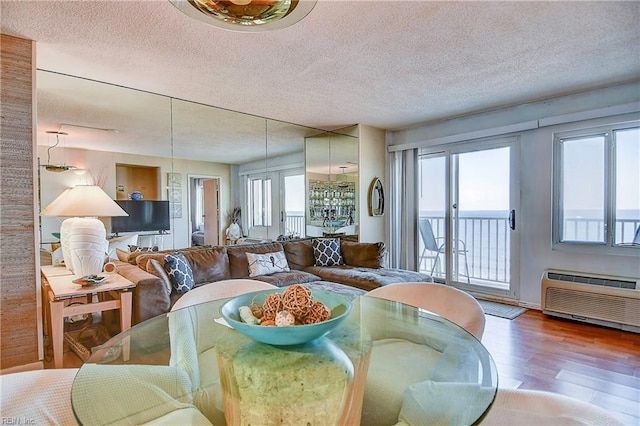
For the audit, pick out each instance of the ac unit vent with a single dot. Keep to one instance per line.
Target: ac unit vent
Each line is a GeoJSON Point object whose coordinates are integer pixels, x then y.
{"type": "Point", "coordinates": [603, 300]}
{"type": "Point", "coordinates": [596, 306]}
{"type": "Point", "coordinates": [616, 283]}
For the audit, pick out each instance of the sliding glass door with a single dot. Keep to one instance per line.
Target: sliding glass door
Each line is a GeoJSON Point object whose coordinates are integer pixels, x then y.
{"type": "Point", "coordinates": [468, 204]}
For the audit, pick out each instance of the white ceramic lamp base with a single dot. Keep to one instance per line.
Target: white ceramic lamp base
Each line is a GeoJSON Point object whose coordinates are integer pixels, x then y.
{"type": "Point", "coordinates": [64, 242]}
{"type": "Point", "coordinates": [87, 244]}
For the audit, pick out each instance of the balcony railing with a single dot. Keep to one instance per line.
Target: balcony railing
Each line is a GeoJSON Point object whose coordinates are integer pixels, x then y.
{"type": "Point", "coordinates": [487, 242]}
{"type": "Point", "coordinates": [295, 224]}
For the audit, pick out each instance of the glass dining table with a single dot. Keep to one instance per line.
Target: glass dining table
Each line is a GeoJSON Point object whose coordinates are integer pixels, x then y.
{"type": "Point", "coordinates": [386, 364]}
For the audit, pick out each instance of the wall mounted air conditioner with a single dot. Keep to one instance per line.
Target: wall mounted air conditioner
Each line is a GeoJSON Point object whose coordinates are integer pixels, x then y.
{"type": "Point", "coordinates": [599, 299]}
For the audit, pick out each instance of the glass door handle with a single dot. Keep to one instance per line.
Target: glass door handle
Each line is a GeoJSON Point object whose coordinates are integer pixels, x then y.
{"type": "Point", "coordinates": [512, 220]}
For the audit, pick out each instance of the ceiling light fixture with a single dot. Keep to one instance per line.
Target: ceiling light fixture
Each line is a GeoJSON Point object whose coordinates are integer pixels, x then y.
{"type": "Point", "coordinates": [246, 15]}
{"type": "Point", "coordinates": [56, 168]}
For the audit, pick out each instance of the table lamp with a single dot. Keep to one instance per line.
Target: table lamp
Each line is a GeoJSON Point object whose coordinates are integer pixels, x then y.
{"type": "Point", "coordinates": [83, 237]}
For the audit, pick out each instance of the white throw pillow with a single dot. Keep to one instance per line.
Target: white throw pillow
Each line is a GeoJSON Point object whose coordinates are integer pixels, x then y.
{"type": "Point", "coordinates": [268, 263]}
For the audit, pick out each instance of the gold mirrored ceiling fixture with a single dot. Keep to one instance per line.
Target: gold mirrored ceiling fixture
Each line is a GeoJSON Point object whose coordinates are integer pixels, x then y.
{"type": "Point", "coordinates": [246, 15]}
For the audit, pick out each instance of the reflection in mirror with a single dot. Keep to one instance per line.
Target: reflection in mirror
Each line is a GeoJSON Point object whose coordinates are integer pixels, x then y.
{"type": "Point", "coordinates": [286, 171]}
{"type": "Point", "coordinates": [230, 145]}
{"type": "Point", "coordinates": [332, 175]}
{"type": "Point", "coordinates": [136, 144]}
{"type": "Point", "coordinates": [108, 128]}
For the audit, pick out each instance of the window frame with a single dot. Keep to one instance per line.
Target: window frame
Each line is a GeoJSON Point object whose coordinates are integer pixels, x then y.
{"type": "Point", "coordinates": [608, 246]}
{"type": "Point", "coordinates": [264, 203]}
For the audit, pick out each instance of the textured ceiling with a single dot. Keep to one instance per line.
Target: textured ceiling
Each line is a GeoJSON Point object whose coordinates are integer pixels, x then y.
{"type": "Point", "coordinates": [388, 64]}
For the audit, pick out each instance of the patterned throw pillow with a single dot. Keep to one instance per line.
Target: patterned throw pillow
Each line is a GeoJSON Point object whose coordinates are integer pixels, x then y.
{"type": "Point", "coordinates": [179, 271]}
{"type": "Point", "coordinates": [139, 249]}
{"type": "Point", "coordinates": [267, 263]}
{"type": "Point", "coordinates": [326, 251]}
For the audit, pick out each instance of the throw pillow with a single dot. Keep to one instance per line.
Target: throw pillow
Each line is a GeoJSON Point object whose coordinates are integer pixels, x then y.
{"type": "Point", "coordinates": [267, 263]}
{"type": "Point", "coordinates": [123, 256]}
{"type": "Point", "coordinates": [159, 271]}
{"type": "Point", "coordinates": [179, 272]}
{"type": "Point", "coordinates": [139, 249]}
{"type": "Point", "coordinates": [326, 251]}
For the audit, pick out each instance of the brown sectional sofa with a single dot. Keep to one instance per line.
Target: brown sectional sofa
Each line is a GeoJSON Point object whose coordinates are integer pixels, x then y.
{"type": "Point", "coordinates": [363, 271]}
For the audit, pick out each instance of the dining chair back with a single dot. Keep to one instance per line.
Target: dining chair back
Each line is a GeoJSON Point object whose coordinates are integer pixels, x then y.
{"type": "Point", "coordinates": [389, 372]}
{"type": "Point", "coordinates": [193, 343]}
{"type": "Point", "coordinates": [220, 290]}
{"type": "Point", "coordinates": [532, 407]}
{"type": "Point", "coordinates": [449, 302]}
{"type": "Point", "coordinates": [38, 396]}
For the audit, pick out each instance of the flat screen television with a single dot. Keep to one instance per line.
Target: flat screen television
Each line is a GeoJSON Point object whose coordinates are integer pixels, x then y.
{"type": "Point", "coordinates": [144, 215]}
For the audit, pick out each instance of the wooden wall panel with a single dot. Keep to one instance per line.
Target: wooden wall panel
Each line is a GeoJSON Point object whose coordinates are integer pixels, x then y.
{"type": "Point", "coordinates": [19, 335]}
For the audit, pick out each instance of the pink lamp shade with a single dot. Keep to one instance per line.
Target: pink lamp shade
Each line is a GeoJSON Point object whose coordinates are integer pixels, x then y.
{"type": "Point", "coordinates": [83, 237]}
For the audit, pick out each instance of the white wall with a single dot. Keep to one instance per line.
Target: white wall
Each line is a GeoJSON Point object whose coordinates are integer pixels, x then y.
{"type": "Point", "coordinates": [616, 104]}
{"type": "Point", "coordinates": [371, 165]}
{"type": "Point", "coordinates": [101, 166]}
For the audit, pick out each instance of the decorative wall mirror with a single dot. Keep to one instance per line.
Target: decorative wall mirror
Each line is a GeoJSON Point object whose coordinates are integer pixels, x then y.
{"type": "Point", "coordinates": [110, 125]}
{"type": "Point", "coordinates": [376, 198]}
{"type": "Point", "coordinates": [332, 184]}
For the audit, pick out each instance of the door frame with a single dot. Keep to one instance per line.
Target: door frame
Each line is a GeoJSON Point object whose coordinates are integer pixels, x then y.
{"type": "Point", "coordinates": [282, 197]}
{"type": "Point", "coordinates": [219, 219]}
{"type": "Point", "coordinates": [448, 151]}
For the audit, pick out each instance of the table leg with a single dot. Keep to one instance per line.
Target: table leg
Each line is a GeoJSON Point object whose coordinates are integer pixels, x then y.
{"type": "Point", "coordinates": [125, 321]}
{"type": "Point", "coordinates": [57, 331]}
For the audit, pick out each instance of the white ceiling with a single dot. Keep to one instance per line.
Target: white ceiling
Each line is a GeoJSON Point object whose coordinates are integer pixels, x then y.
{"type": "Point", "coordinates": [388, 64]}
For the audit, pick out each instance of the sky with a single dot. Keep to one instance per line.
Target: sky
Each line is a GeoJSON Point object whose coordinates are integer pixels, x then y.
{"type": "Point", "coordinates": [484, 176]}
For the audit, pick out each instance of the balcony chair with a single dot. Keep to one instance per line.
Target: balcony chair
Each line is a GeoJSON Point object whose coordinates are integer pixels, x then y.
{"type": "Point", "coordinates": [431, 244]}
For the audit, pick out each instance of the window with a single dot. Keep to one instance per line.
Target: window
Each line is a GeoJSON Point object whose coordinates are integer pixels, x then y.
{"type": "Point", "coordinates": [260, 202]}
{"type": "Point", "coordinates": [597, 187]}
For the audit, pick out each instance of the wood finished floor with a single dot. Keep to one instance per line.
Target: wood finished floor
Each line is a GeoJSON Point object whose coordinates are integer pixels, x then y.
{"type": "Point", "coordinates": [535, 351]}
{"type": "Point", "coordinates": [591, 363]}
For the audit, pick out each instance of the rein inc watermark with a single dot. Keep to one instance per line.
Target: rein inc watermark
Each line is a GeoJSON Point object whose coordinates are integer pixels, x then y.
{"type": "Point", "coordinates": [17, 421]}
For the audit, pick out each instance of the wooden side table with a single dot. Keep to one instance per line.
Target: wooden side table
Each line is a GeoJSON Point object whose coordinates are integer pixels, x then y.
{"type": "Point", "coordinates": [61, 291]}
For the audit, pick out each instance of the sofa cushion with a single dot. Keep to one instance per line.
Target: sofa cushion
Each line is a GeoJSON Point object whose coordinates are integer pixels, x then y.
{"type": "Point", "coordinates": [131, 256]}
{"type": "Point", "coordinates": [345, 290]}
{"type": "Point", "coordinates": [208, 264]}
{"type": "Point", "coordinates": [238, 265]}
{"type": "Point", "coordinates": [366, 278]}
{"type": "Point", "coordinates": [326, 251]}
{"type": "Point", "coordinates": [366, 255]}
{"type": "Point", "coordinates": [179, 271]}
{"type": "Point", "coordinates": [267, 263]}
{"type": "Point", "coordinates": [299, 254]}
{"type": "Point", "coordinates": [283, 279]}
{"type": "Point", "coordinates": [144, 261]}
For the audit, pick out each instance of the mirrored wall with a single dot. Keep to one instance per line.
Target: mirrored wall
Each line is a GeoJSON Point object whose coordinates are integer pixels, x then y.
{"type": "Point", "coordinates": [207, 162]}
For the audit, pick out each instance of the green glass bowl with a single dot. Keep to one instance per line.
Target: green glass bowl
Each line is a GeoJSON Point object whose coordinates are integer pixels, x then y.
{"type": "Point", "coordinates": [339, 306]}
